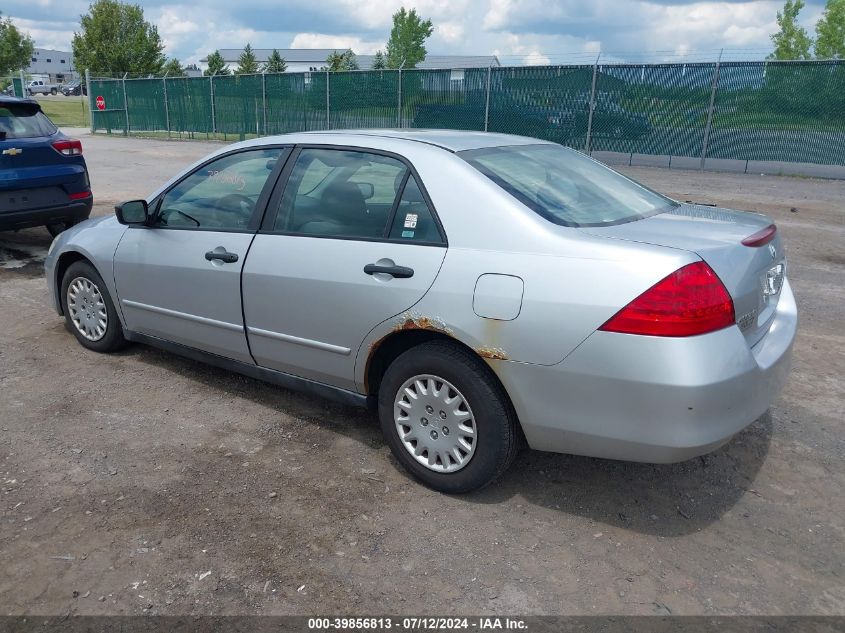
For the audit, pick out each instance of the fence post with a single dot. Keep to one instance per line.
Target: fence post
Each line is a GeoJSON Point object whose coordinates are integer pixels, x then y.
{"type": "Point", "coordinates": [125, 105]}
{"type": "Point", "coordinates": [592, 107]}
{"type": "Point", "coordinates": [90, 97]}
{"type": "Point", "coordinates": [166, 107]}
{"type": "Point", "coordinates": [706, 139]}
{"type": "Point", "coordinates": [487, 103]}
{"type": "Point", "coordinates": [399, 104]}
{"type": "Point", "coordinates": [264, 99]}
{"type": "Point", "coordinates": [23, 84]}
{"type": "Point", "coordinates": [213, 118]}
{"type": "Point", "coordinates": [328, 101]}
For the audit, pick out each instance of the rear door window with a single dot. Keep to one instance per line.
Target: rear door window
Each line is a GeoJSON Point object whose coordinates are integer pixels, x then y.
{"type": "Point", "coordinates": [23, 121]}
{"type": "Point", "coordinates": [340, 193]}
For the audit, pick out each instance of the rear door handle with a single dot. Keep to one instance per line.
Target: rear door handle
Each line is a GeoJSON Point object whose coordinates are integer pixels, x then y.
{"type": "Point", "coordinates": [401, 272]}
{"type": "Point", "coordinates": [224, 256]}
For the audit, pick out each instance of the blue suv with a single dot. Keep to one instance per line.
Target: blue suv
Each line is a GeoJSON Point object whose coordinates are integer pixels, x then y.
{"type": "Point", "coordinates": [43, 177]}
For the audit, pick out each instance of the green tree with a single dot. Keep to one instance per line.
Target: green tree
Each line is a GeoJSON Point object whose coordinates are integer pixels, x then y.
{"type": "Point", "coordinates": [247, 64]}
{"type": "Point", "coordinates": [15, 47]}
{"type": "Point", "coordinates": [346, 60]}
{"type": "Point", "coordinates": [791, 41]}
{"type": "Point", "coordinates": [216, 65]}
{"type": "Point", "coordinates": [173, 68]}
{"type": "Point", "coordinates": [830, 31]}
{"type": "Point", "coordinates": [275, 63]}
{"type": "Point", "coordinates": [379, 62]}
{"type": "Point", "coordinates": [115, 38]}
{"type": "Point", "coordinates": [407, 39]}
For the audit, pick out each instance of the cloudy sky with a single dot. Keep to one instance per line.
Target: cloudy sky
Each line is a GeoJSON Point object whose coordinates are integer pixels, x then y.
{"type": "Point", "coordinates": [519, 31]}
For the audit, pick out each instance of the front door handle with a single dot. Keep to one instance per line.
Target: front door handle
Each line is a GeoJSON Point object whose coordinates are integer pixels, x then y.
{"type": "Point", "coordinates": [224, 256]}
{"type": "Point", "coordinates": [401, 272]}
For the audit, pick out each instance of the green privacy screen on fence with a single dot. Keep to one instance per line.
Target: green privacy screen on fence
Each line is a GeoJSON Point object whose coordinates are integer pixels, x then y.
{"type": "Point", "coordinates": [779, 111]}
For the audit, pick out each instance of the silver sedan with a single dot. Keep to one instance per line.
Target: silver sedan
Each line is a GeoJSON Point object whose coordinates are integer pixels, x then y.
{"type": "Point", "coordinates": [479, 290]}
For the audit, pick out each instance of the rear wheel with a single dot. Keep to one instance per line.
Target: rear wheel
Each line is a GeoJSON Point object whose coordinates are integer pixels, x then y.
{"type": "Point", "coordinates": [89, 310]}
{"type": "Point", "coordinates": [446, 419]}
{"type": "Point", "coordinates": [52, 91]}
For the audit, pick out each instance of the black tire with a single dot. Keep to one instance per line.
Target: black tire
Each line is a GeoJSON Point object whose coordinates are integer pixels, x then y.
{"type": "Point", "coordinates": [497, 428]}
{"type": "Point", "coordinates": [52, 91]}
{"type": "Point", "coordinates": [57, 227]}
{"type": "Point", "coordinates": [112, 340]}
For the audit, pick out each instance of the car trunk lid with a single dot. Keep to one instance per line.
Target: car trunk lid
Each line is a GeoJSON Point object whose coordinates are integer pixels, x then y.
{"type": "Point", "coordinates": [753, 275]}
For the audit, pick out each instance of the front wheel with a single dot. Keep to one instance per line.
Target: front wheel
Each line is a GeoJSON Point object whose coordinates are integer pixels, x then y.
{"type": "Point", "coordinates": [446, 419]}
{"type": "Point", "coordinates": [89, 310]}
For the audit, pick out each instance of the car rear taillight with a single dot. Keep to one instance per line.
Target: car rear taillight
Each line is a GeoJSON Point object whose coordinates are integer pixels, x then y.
{"type": "Point", "coordinates": [761, 238]}
{"type": "Point", "coordinates": [690, 301]}
{"type": "Point", "coordinates": [79, 196]}
{"type": "Point", "coordinates": [68, 147]}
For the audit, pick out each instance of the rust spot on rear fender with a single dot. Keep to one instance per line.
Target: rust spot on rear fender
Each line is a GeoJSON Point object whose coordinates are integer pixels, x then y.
{"type": "Point", "coordinates": [410, 321]}
{"type": "Point", "coordinates": [492, 353]}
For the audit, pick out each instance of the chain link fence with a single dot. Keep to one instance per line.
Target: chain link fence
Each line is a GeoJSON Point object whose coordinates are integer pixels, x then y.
{"type": "Point", "coordinates": [752, 111]}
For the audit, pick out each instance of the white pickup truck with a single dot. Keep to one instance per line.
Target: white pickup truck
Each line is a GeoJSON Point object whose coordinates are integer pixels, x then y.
{"type": "Point", "coordinates": [40, 87]}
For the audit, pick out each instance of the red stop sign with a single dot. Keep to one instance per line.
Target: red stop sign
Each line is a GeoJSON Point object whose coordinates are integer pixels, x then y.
{"type": "Point", "coordinates": [101, 103]}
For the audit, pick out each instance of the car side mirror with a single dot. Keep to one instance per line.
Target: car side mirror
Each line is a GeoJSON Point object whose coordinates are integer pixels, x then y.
{"type": "Point", "coordinates": [133, 212]}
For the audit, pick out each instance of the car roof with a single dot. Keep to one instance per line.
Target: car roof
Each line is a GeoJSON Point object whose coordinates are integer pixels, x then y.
{"type": "Point", "coordinates": [452, 140]}
{"type": "Point", "coordinates": [17, 100]}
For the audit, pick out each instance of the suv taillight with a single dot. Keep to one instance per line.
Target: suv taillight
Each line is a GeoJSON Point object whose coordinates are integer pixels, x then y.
{"type": "Point", "coordinates": [68, 147]}
{"type": "Point", "coordinates": [690, 301]}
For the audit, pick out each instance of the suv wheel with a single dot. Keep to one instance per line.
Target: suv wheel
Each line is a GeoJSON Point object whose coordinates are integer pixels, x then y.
{"type": "Point", "coordinates": [57, 227]}
{"type": "Point", "coordinates": [446, 419]}
{"type": "Point", "coordinates": [89, 310]}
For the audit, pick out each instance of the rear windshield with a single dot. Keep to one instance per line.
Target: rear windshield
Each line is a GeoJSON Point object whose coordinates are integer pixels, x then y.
{"type": "Point", "coordinates": [566, 187]}
{"type": "Point", "coordinates": [23, 121]}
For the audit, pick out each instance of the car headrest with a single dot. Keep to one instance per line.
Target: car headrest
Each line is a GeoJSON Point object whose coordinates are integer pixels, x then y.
{"type": "Point", "coordinates": [344, 197]}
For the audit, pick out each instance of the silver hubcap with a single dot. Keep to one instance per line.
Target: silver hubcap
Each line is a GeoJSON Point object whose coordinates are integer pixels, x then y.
{"type": "Point", "coordinates": [435, 423]}
{"type": "Point", "coordinates": [87, 308]}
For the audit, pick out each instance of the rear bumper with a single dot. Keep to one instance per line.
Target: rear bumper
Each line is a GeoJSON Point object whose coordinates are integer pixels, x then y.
{"type": "Point", "coordinates": [652, 399]}
{"type": "Point", "coordinates": [71, 212]}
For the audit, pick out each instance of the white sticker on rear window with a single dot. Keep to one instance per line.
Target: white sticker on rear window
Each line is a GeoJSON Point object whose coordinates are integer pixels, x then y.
{"type": "Point", "coordinates": [411, 221]}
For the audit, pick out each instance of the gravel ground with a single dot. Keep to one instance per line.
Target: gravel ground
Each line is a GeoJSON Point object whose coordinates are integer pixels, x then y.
{"type": "Point", "coordinates": [144, 483]}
